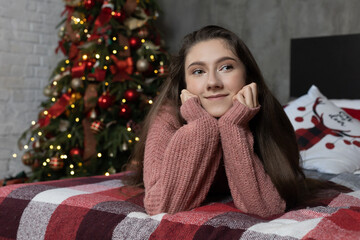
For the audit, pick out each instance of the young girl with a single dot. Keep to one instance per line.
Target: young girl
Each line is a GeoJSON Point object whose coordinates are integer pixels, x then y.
{"type": "Point", "coordinates": [216, 129]}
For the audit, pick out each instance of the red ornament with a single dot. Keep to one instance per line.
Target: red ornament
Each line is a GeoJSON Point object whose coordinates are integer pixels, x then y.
{"type": "Point", "coordinates": [131, 95]}
{"type": "Point", "coordinates": [27, 159]}
{"type": "Point", "coordinates": [56, 163]}
{"type": "Point", "coordinates": [89, 3]}
{"type": "Point", "coordinates": [125, 111]}
{"type": "Point", "coordinates": [134, 42]}
{"type": "Point", "coordinates": [105, 100]}
{"type": "Point", "coordinates": [97, 126]}
{"type": "Point", "coordinates": [75, 152]}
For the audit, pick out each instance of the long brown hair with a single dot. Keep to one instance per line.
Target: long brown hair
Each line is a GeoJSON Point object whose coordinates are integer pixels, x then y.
{"type": "Point", "coordinates": [274, 136]}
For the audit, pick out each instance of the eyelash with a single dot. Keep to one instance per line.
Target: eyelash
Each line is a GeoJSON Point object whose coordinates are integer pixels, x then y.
{"type": "Point", "coordinates": [229, 66]}
{"type": "Point", "coordinates": [199, 71]}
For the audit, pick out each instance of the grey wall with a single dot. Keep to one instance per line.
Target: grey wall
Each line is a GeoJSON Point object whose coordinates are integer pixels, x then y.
{"type": "Point", "coordinates": [266, 26]}
{"type": "Point", "coordinates": [28, 38]}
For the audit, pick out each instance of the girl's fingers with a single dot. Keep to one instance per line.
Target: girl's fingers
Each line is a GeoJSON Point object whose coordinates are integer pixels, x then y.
{"type": "Point", "coordinates": [254, 94]}
{"type": "Point", "coordinates": [248, 95]}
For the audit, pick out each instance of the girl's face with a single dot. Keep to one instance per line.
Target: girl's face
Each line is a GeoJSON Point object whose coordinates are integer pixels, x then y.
{"type": "Point", "coordinates": [215, 74]}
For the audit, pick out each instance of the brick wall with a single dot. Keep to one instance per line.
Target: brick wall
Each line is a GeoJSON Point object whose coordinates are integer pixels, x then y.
{"type": "Point", "coordinates": [28, 38]}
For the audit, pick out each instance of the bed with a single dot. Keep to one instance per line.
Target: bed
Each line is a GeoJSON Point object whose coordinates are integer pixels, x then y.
{"type": "Point", "coordinates": [102, 207]}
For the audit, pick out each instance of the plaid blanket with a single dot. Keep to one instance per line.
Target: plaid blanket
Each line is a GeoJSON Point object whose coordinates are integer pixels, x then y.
{"type": "Point", "coordinates": [103, 208]}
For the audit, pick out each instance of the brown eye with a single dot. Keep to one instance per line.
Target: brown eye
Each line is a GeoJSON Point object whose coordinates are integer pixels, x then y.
{"type": "Point", "coordinates": [226, 67]}
{"type": "Point", "coordinates": [197, 72]}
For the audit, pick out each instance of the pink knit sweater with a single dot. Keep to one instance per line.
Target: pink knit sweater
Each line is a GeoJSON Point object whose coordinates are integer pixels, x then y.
{"type": "Point", "coordinates": [181, 161]}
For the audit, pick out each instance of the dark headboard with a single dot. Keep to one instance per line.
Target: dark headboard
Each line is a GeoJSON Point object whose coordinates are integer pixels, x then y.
{"type": "Point", "coordinates": [331, 63]}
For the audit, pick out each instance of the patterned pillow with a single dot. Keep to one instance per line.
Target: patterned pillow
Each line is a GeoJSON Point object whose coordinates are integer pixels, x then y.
{"type": "Point", "coordinates": [328, 137]}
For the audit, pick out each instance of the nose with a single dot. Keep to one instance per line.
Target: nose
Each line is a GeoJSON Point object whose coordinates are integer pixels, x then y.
{"type": "Point", "coordinates": [214, 81]}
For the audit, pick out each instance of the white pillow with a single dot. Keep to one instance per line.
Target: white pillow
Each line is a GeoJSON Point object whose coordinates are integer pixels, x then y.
{"type": "Point", "coordinates": [347, 103]}
{"type": "Point", "coordinates": [328, 138]}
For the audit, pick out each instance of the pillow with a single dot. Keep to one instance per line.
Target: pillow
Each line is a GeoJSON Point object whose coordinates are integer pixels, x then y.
{"type": "Point", "coordinates": [355, 113]}
{"type": "Point", "coordinates": [347, 103]}
{"type": "Point", "coordinates": [328, 137]}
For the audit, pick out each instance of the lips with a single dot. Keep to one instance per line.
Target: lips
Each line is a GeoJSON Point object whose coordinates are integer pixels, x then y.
{"type": "Point", "coordinates": [216, 96]}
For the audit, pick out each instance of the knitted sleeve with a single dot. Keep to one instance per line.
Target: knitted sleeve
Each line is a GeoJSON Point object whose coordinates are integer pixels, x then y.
{"type": "Point", "coordinates": [180, 161]}
{"type": "Point", "coordinates": [250, 186]}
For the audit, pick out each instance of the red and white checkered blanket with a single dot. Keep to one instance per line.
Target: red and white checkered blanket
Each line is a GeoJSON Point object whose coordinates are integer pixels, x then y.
{"type": "Point", "coordinates": [102, 208]}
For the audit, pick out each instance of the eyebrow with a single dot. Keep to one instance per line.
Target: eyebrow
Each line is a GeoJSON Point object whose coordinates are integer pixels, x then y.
{"type": "Point", "coordinates": [217, 61]}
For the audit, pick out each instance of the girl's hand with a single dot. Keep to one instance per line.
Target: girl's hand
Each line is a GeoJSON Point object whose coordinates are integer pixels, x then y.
{"type": "Point", "coordinates": [248, 96]}
{"type": "Point", "coordinates": [185, 95]}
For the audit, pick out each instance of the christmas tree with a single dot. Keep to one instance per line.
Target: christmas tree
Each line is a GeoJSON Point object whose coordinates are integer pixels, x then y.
{"type": "Point", "coordinates": [99, 93]}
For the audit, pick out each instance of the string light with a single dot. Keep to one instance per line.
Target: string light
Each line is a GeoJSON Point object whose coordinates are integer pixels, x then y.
{"type": "Point", "coordinates": [46, 112]}
{"type": "Point", "coordinates": [77, 119]}
{"type": "Point", "coordinates": [53, 99]}
{"type": "Point", "coordinates": [106, 84]}
{"type": "Point", "coordinates": [71, 166]}
{"type": "Point", "coordinates": [124, 100]}
{"type": "Point", "coordinates": [107, 174]}
{"type": "Point", "coordinates": [84, 57]}
{"type": "Point", "coordinates": [129, 129]}
{"type": "Point", "coordinates": [114, 38]}
{"type": "Point", "coordinates": [150, 101]}
{"type": "Point", "coordinates": [86, 31]}
{"type": "Point", "coordinates": [67, 61]}
{"type": "Point", "coordinates": [32, 139]}
{"type": "Point", "coordinates": [130, 141]}
{"type": "Point", "coordinates": [143, 40]}
{"type": "Point", "coordinates": [83, 78]}
{"type": "Point", "coordinates": [51, 147]}
{"type": "Point", "coordinates": [80, 164]}
{"type": "Point", "coordinates": [105, 67]}
{"type": "Point", "coordinates": [14, 155]}
{"type": "Point", "coordinates": [72, 105]}
{"type": "Point", "coordinates": [62, 69]}
{"type": "Point", "coordinates": [152, 57]}
{"type": "Point", "coordinates": [137, 139]}
{"type": "Point", "coordinates": [72, 172]}
{"type": "Point", "coordinates": [63, 156]}
{"type": "Point", "coordinates": [44, 164]}
{"type": "Point", "coordinates": [99, 155]}
{"type": "Point", "coordinates": [126, 47]}
{"type": "Point", "coordinates": [156, 71]}
{"type": "Point", "coordinates": [58, 147]}
{"type": "Point", "coordinates": [33, 123]}
{"type": "Point", "coordinates": [97, 56]}
{"type": "Point", "coordinates": [69, 135]}
{"type": "Point", "coordinates": [39, 133]}
{"type": "Point", "coordinates": [48, 160]}
{"type": "Point", "coordinates": [107, 58]}
{"type": "Point", "coordinates": [114, 52]}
